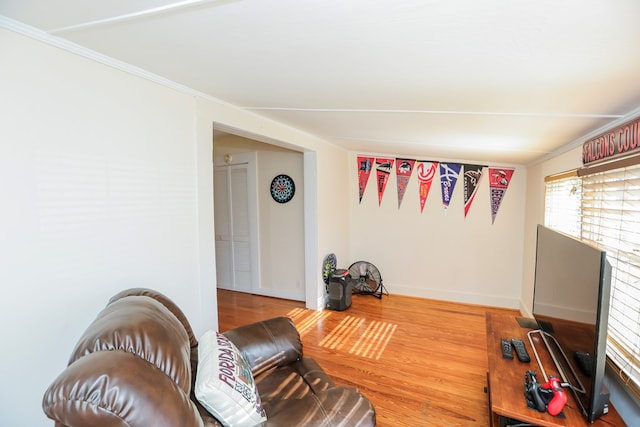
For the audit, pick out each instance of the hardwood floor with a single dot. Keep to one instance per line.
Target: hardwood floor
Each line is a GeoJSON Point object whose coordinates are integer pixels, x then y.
{"type": "Point", "coordinates": [421, 362]}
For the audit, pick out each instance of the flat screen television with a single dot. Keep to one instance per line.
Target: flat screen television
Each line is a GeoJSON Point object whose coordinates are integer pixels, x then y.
{"type": "Point", "coordinates": [571, 307]}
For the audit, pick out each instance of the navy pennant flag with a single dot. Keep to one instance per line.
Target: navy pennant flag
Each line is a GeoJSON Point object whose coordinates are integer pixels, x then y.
{"type": "Point", "coordinates": [449, 173]}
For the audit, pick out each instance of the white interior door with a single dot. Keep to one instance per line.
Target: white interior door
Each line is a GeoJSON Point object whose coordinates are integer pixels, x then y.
{"type": "Point", "coordinates": [235, 228]}
{"type": "Point", "coordinates": [222, 219]}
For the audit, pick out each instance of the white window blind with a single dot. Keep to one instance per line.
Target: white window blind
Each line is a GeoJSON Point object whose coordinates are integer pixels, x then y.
{"type": "Point", "coordinates": [608, 217]}
{"type": "Point", "coordinates": [563, 196]}
{"type": "Point", "coordinates": [611, 220]}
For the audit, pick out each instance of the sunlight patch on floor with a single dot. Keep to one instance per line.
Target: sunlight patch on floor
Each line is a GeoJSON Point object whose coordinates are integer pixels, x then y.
{"type": "Point", "coordinates": [305, 319]}
{"type": "Point", "coordinates": [370, 344]}
{"type": "Point", "coordinates": [375, 339]}
{"type": "Point", "coordinates": [344, 331]}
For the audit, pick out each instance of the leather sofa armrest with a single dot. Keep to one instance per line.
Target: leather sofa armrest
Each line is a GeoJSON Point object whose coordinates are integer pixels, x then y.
{"type": "Point", "coordinates": [118, 388]}
{"type": "Point", "coordinates": [343, 406]}
{"type": "Point", "coordinates": [268, 343]}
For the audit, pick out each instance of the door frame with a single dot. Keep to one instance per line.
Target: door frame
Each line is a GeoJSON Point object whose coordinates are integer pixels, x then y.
{"type": "Point", "coordinates": [314, 286]}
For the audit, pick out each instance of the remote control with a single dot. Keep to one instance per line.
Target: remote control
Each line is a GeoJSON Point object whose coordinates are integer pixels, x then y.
{"type": "Point", "coordinates": [507, 351]}
{"type": "Point", "coordinates": [521, 350]}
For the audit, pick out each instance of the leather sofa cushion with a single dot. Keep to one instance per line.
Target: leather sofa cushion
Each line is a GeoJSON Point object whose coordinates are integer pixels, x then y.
{"type": "Point", "coordinates": [337, 406]}
{"type": "Point", "coordinates": [267, 344]}
{"type": "Point", "coordinates": [295, 390]}
{"type": "Point", "coordinates": [293, 381]}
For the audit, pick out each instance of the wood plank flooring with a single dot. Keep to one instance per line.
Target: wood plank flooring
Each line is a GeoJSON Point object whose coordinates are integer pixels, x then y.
{"type": "Point", "coordinates": [421, 362]}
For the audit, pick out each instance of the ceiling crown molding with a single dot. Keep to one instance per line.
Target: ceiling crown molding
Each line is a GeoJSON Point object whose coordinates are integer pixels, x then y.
{"type": "Point", "coordinates": [579, 141]}
{"type": "Point", "coordinates": [61, 43]}
{"type": "Point", "coordinates": [146, 13]}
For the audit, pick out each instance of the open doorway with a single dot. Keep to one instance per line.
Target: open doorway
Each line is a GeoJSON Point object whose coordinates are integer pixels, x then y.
{"type": "Point", "coordinates": [260, 242]}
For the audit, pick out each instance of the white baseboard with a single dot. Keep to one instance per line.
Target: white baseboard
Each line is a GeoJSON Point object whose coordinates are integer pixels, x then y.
{"type": "Point", "coordinates": [454, 296]}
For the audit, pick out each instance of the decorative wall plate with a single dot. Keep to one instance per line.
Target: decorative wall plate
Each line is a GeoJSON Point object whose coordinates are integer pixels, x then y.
{"type": "Point", "coordinates": [282, 188]}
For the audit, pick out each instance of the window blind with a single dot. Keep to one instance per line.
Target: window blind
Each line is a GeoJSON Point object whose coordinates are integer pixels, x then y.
{"type": "Point", "coordinates": [611, 221]}
{"type": "Point", "coordinates": [563, 195]}
{"type": "Point", "coordinates": [603, 209]}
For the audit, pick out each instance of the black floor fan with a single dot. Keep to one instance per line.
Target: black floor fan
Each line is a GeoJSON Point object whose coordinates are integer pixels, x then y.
{"type": "Point", "coordinates": [361, 278]}
{"type": "Point", "coordinates": [366, 279]}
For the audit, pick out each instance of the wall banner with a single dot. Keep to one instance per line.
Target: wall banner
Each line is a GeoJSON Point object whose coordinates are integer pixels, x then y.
{"type": "Point", "coordinates": [499, 179]}
{"type": "Point", "coordinates": [383, 170]}
{"type": "Point", "coordinates": [449, 173]}
{"type": "Point", "coordinates": [426, 172]}
{"type": "Point", "coordinates": [365, 165]}
{"type": "Point", "coordinates": [404, 168]}
{"type": "Point", "coordinates": [472, 175]}
{"type": "Point", "coordinates": [618, 142]}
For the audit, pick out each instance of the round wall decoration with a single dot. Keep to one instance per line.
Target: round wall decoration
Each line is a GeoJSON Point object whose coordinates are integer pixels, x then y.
{"type": "Point", "coordinates": [282, 188]}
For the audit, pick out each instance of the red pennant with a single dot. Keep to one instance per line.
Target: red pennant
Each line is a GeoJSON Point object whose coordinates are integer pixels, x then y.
{"type": "Point", "coordinates": [404, 168]}
{"type": "Point", "coordinates": [426, 173]}
{"type": "Point", "coordinates": [365, 165]}
{"type": "Point", "coordinates": [383, 170]}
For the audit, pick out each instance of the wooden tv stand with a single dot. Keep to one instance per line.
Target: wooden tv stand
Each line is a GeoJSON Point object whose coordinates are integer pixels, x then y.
{"type": "Point", "coordinates": [506, 381]}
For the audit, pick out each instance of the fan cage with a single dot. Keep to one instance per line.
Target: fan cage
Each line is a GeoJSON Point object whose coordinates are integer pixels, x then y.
{"type": "Point", "coordinates": [366, 279]}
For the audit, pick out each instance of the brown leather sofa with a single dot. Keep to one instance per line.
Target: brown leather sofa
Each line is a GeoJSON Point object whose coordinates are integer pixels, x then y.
{"type": "Point", "coordinates": [135, 366]}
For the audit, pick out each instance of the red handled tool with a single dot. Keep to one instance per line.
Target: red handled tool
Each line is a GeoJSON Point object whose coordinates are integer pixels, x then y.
{"type": "Point", "coordinates": [556, 404]}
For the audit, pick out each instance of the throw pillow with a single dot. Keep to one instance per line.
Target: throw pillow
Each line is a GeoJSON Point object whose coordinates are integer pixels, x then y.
{"type": "Point", "coordinates": [224, 384]}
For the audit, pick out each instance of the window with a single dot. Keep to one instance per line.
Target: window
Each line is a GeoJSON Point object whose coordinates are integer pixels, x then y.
{"type": "Point", "coordinates": [603, 208]}
{"type": "Point", "coordinates": [563, 195]}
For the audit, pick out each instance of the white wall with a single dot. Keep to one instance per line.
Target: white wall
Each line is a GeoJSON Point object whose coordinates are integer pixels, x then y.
{"type": "Point", "coordinates": [106, 183]}
{"type": "Point", "coordinates": [281, 227]}
{"type": "Point", "coordinates": [325, 198]}
{"type": "Point", "coordinates": [99, 193]}
{"type": "Point", "coordinates": [441, 254]}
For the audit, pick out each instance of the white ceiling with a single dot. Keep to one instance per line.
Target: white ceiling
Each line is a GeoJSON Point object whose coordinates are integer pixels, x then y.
{"type": "Point", "coordinates": [494, 80]}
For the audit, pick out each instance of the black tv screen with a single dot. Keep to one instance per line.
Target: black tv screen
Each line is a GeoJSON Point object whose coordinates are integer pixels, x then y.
{"type": "Point", "coordinates": [571, 306]}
